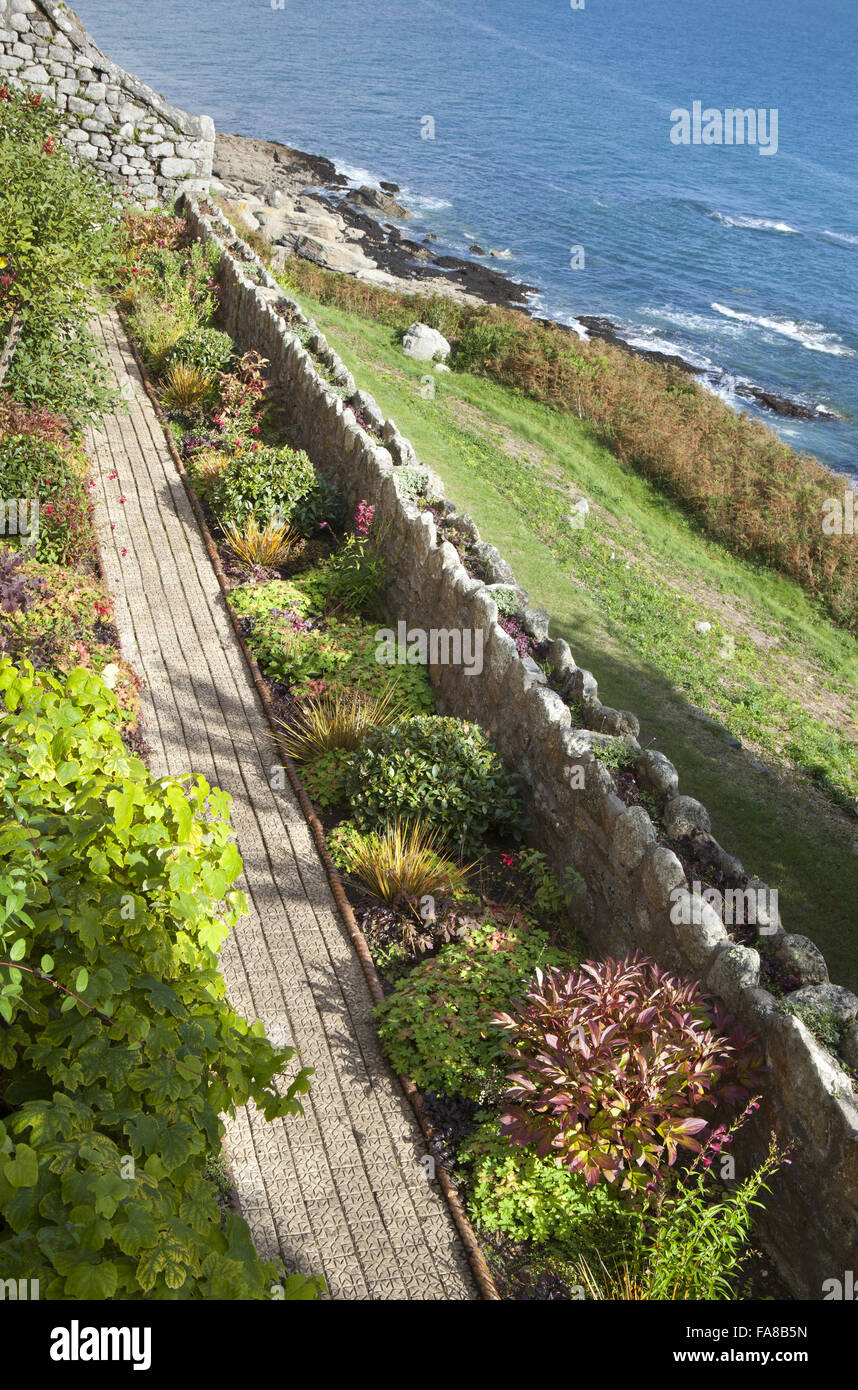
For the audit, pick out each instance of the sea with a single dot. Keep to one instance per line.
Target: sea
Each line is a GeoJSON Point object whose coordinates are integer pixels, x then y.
{"type": "Point", "coordinates": [590, 142]}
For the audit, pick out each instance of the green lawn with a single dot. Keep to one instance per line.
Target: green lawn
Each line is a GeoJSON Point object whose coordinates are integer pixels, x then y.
{"type": "Point", "coordinates": [625, 592]}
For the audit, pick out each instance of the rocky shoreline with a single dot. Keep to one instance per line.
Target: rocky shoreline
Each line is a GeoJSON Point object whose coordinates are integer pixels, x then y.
{"type": "Point", "coordinates": [307, 208]}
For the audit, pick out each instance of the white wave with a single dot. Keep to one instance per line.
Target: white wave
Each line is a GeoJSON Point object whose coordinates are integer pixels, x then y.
{"type": "Point", "coordinates": [424, 202]}
{"type": "Point", "coordinates": [356, 176]}
{"type": "Point", "coordinates": [812, 336]}
{"type": "Point", "coordinates": [754, 224]}
{"type": "Point", "coordinates": [724, 387]}
{"type": "Point", "coordinates": [696, 323]}
{"type": "Point", "coordinates": [843, 237]}
{"type": "Point", "coordinates": [651, 342]}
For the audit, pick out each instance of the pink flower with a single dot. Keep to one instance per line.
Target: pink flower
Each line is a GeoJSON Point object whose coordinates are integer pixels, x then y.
{"type": "Point", "coordinates": [363, 518]}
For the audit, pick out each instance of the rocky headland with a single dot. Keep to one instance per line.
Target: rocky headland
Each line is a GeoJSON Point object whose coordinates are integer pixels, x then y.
{"type": "Point", "coordinates": [306, 207]}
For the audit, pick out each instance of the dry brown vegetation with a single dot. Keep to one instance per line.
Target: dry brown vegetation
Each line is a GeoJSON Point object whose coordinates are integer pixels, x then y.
{"type": "Point", "coordinates": [733, 475]}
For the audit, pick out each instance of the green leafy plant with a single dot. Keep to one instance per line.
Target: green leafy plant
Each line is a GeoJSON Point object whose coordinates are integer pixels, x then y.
{"type": "Point", "coordinates": [323, 777]}
{"type": "Point", "coordinates": [613, 1064]}
{"type": "Point", "coordinates": [527, 1197]}
{"type": "Point", "coordinates": [36, 470]}
{"type": "Point", "coordinates": [263, 484]}
{"type": "Point", "coordinates": [411, 483]}
{"type": "Point", "coordinates": [58, 219]}
{"type": "Point", "coordinates": [119, 1051]}
{"type": "Point", "coordinates": [207, 349]}
{"type": "Point", "coordinates": [357, 573]}
{"type": "Point", "coordinates": [322, 509]}
{"type": "Point", "coordinates": [826, 1026]}
{"type": "Point", "coordinates": [616, 754]}
{"type": "Point", "coordinates": [693, 1243]}
{"type": "Point", "coordinates": [58, 365]}
{"type": "Point", "coordinates": [551, 898]}
{"type": "Point", "coordinates": [442, 771]}
{"type": "Point", "coordinates": [436, 1024]}
{"type": "Point", "coordinates": [338, 652]}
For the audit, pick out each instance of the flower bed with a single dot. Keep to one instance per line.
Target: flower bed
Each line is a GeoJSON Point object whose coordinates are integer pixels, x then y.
{"type": "Point", "coordinates": [426, 827]}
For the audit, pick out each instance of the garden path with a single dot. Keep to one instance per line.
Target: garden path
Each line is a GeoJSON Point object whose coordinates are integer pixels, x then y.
{"type": "Point", "coordinates": [340, 1192]}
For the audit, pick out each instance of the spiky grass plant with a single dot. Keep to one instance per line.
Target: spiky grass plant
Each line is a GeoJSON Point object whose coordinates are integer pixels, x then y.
{"type": "Point", "coordinates": [158, 327]}
{"type": "Point", "coordinates": [338, 718]}
{"type": "Point", "coordinates": [253, 544]}
{"type": "Point", "coordinates": [186, 386]}
{"type": "Point", "coordinates": [404, 860]}
{"type": "Point", "coordinates": [207, 464]}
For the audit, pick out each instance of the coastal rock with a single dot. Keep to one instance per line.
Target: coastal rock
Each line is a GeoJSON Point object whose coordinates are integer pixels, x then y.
{"type": "Point", "coordinates": [377, 201]}
{"type": "Point", "coordinates": [331, 255]}
{"type": "Point", "coordinates": [242, 162]}
{"type": "Point", "coordinates": [424, 343]}
{"type": "Point", "coordinates": [780, 405]}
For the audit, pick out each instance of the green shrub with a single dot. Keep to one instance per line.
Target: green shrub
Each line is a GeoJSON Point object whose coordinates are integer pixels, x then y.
{"type": "Point", "coordinates": [436, 1025]}
{"type": "Point", "coordinates": [58, 364]}
{"type": "Point", "coordinates": [530, 1198]}
{"type": "Point", "coordinates": [118, 1047]}
{"type": "Point", "coordinates": [58, 217]}
{"type": "Point", "coordinates": [265, 483]}
{"type": "Point", "coordinates": [207, 349]}
{"type": "Point", "coordinates": [35, 469]}
{"type": "Point", "coordinates": [323, 503]}
{"type": "Point", "coordinates": [442, 771]}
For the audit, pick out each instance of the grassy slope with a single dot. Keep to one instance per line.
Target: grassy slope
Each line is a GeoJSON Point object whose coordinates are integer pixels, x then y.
{"type": "Point", "coordinates": [625, 593]}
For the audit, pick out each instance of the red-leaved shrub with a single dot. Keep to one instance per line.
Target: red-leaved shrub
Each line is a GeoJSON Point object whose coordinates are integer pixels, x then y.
{"type": "Point", "coordinates": [613, 1064]}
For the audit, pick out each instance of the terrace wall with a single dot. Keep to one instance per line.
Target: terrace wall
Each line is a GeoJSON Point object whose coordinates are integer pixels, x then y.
{"type": "Point", "coordinates": [629, 876]}
{"type": "Point", "coordinates": [128, 131]}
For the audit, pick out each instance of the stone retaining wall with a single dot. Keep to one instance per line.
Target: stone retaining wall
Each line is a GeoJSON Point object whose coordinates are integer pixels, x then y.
{"type": "Point", "coordinates": [128, 131]}
{"type": "Point", "coordinates": [630, 876]}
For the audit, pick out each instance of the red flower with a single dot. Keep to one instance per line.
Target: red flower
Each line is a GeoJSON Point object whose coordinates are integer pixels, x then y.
{"type": "Point", "coordinates": [35, 99]}
{"type": "Point", "coordinates": [507, 860]}
{"type": "Point", "coordinates": [4, 94]}
{"type": "Point", "coordinates": [48, 146]}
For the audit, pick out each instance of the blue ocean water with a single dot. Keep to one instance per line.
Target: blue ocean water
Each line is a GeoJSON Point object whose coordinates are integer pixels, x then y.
{"type": "Point", "coordinates": [552, 132]}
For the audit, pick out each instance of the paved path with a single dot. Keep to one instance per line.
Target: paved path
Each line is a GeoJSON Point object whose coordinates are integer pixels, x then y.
{"type": "Point", "coordinates": [340, 1192]}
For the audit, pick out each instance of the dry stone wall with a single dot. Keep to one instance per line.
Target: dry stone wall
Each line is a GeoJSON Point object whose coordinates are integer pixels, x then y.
{"type": "Point", "coordinates": [132, 134]}
{"type": "Point", "coordinates": [632, 880]}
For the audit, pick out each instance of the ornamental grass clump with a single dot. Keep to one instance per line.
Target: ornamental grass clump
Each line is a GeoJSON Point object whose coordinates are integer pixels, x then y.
{"type": "Point", "coordinates": [614, 1063]}
{"type": "Point", "coordinates": [338, 718]}
{"type": "Point", "coordinates": [253, 544]}
{"type": "Point", "coordinates": [403, 861]}
{"type": "Point", "coordinates": [186, 386]}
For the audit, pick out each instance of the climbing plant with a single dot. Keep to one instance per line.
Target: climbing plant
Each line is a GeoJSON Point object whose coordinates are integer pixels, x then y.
{"type": "Point", "coordinates": [118, 1049]}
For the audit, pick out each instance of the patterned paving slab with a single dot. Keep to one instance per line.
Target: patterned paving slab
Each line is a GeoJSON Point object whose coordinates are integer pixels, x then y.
{"type": "Point", "coordinates": [340, 1192]}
